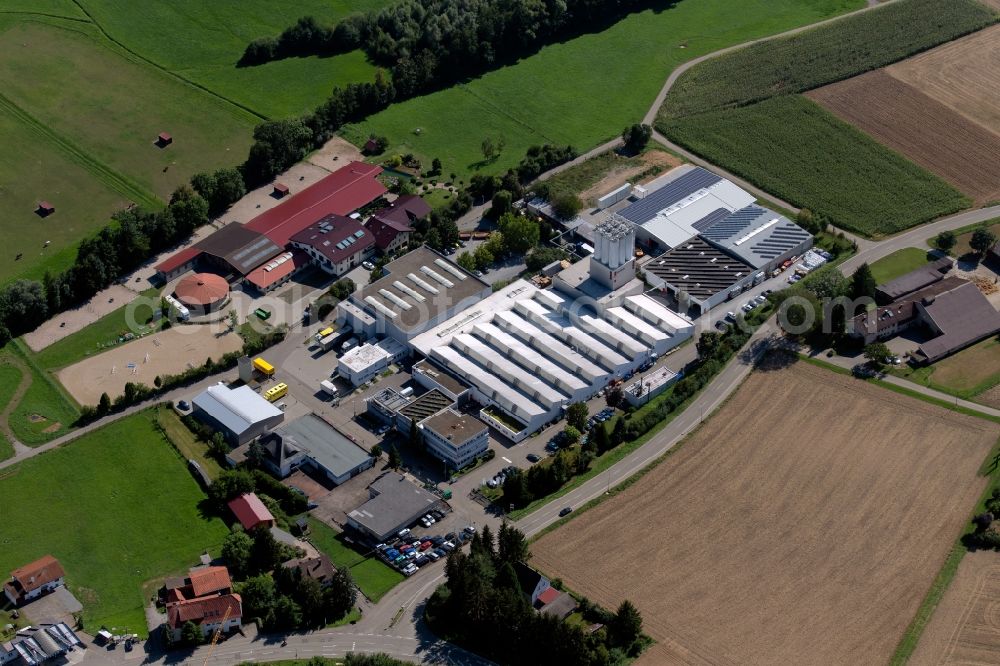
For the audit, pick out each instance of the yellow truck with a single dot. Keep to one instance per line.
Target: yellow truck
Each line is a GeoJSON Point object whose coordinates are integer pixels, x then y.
{"type": "Point", "coordinates": [329, 330]}
{"type": "Point", "coordinates": [263, 367]}
{"type": "Point", "coordinates": [276, 391]}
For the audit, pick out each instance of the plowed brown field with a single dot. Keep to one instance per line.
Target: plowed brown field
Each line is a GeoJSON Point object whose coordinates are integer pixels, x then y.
{"type": "Point", "coordinates": [965, 627]}
{"type": "Point", "coordinates": [963, 74]}
{"type": "Point", "coordinates": [802, 524]}
{"type": "Point", "coordinates": [935, 136]}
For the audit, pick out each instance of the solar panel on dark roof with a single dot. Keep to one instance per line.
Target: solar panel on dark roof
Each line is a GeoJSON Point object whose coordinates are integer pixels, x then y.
{"type": "Point", "coordinates": [646, 209]}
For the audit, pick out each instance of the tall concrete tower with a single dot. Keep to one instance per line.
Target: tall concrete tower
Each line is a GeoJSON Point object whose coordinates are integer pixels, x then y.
{"type": "Point", "coordinates": [613, 262]}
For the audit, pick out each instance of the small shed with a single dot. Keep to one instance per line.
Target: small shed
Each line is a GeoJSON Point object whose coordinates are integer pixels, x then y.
{"type": "Point", "coordinates": [371, 146]}
{"type": "Point", "coordinates": [164, 139]}
{"type": "Point", "coordinates": [45, 208]}
{"type": "Point", "coordinates": [280, 190]}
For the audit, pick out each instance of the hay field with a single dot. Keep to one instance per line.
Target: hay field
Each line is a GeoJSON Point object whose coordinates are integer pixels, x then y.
{"type": "Point", "coordinates": [170, 352]}
{"type": "Point", "coordinates": [802, 524]}
{"type": "Point", "coordinates": [965, 627]}
{"type": "Point", "coordinates": [933, 135]}
{"type": "Point", "coordinates": [963, 74]}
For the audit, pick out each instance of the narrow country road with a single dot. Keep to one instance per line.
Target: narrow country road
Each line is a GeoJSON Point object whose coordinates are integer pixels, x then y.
{"type": "Point", "coordinates": [395, 624]}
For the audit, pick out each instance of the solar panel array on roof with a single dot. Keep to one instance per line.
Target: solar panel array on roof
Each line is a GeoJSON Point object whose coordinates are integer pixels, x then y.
{"type": "Point", "coordinates": [646, 209]}
{"type": "Point", "coordinates": [710, 219]}
{"type": "Point", "coordinates": [250, 257]}
{"type": "Point", "coordinates": [756, 235]}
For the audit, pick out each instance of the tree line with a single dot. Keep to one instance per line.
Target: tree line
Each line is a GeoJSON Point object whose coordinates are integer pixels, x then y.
{"type": "Point", "coordinates": [482, 607]}
{"type": "Point", "coordinates": [431, 43]}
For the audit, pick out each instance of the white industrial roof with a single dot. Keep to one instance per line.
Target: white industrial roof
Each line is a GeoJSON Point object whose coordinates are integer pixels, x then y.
{"type": "Point", "coordinates": [363, 357]}
{"type": "Point", "coordinates": [237, 409]}
{"type": "Point", "coordinates": [532, 352]}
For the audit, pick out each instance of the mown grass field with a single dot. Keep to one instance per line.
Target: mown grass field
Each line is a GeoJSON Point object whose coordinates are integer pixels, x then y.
{"type": "Point", "coordinates": [580, 92]}
{"type": "Point", "coordinates": [202, 41]}
{"type": "Point", "coordinates": [792, 147]}
{"type": "Point", "coordinates": [372, 576]}
{"type": "Point", "coordinates": [119, 509]}
{"type": "Point", "coordinates": [899, 263]}
{"type": "Point", "coordinates": [965, 374]}
{"type": "Point", "coordinates": [739, 111]}
{"type": "Point", "coordinates": [185, 441]}
{"type": "Point", "coordinates": [45, 411]}
{"type": "Point", "coordinates": [33, 170]}
{"type": "Point", "coordinates": [10, 379]}
{"type": "Point", "coordinates": [68, 78]}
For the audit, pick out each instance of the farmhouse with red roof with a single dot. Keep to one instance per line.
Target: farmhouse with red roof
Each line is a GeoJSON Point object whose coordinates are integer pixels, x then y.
{"type": "Point", "coordinates": [251, 512]}
{"type": "Point", "coordinates": [33, 580]}
{"type": "Point", "coordinates": [208, 613]}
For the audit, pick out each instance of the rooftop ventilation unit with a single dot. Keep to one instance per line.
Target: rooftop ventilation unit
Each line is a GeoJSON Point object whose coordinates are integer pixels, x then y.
{"type": "Point", "coordinates": [454, 270]}
{"type": "Point", "coordinates": [372, 301]}
{"type": "Point", "coordinates": [389, 296]}
{"type": "Point", "coordinates": [409, 291]}
{"type": "Point", "coordinates": [423, 284]}
{"type": "Point", "coordinates": [437, 276]}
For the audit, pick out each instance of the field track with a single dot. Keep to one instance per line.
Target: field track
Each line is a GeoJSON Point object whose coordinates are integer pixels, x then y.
{"type": "Point", "coordinates": [933, 135]}
{"type": "Point", "coordinates": [802, 524]}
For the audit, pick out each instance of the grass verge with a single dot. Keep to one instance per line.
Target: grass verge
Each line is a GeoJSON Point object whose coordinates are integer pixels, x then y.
{"type": "Point", "coordinates": [899, 263]}
{"type": "Point", "coordinates": [372, 576]}
{"type": "Point", "coordinates": [45, 411]}
{"type": "Point", "coordinates": [189, 446]}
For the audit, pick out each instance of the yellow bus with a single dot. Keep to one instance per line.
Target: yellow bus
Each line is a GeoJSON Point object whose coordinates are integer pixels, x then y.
{"type": "Point", "coordinates": [263, 367]}
{"type": "Point", "coordinates": [276, 391]}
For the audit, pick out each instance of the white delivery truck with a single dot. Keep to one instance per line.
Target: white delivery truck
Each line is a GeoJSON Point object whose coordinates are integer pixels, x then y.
{"type": "Point", "coordinates": [328, 387]}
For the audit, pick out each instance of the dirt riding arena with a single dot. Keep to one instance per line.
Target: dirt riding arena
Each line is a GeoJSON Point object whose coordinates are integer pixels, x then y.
{"type": "Point", "coordinates": [69, 322]}
{"type": "Point", "coordinates": [935, 136]}
{"type": "Point", "coordinates": [965, 627]}
{"type": "Point", "coordinates": [963, 74]}
{"type": "Point", "coordinates": [802, 524]}
{"type": "Point", "coordinates": [169, 353]}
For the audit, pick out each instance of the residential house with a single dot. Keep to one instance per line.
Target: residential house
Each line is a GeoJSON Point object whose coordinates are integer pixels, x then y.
{"type": "Point", "coordinates": [210, 614]}
{"type": "Point", "coordinates": [33, 580]}
{"type": "Point", "coordinates": [200, 582]}
{"type": "Point", "coordinates": [320, 568]}
{"type": "Point", "coordinates": [393, 226]}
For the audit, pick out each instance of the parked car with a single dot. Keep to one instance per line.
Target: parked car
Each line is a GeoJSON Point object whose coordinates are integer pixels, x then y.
{"type": "Point", "coordinates": [410, 570]}
{"type": "Point", "coordinates": [478, 274]}
{"type": "Point", "coordinates": [430, 519]}
{"type": "Point", "coordinates": [469, 529]}
{"type": "Point", "coordinates": [440, 552]}
{"type": "Point", "coordinates": [533, 457]}
{"type": "Point", "coordinates": [760, 300]}
{"type": "Point", "coordinates": [425, 545]}
{"type": "Point", "coordinates": [367, 265]}
{"type": "Point", "coordinates": [565, 512]}
{"type": "Point", "coordinates": [747, 307]}
{"type": "Point", "coordinates": [895, 360]}
{"type": "Point", "coordinates": [448, 546]}
{"type": "Point", "coordinates": [437, 515]}
{"type": "Point", "coordinates": [432, 555]}
{"type": "Point", "coordinates": [767, 292]}
{"type": "Point", "coordinates": [437, 540]}
{"type": "Point", "coordinates": [721, 325]}
{"type": "Point", "coordinates": [403, 533]}
{"type": "Point", "coordinates": [421, 561]}
{"type": "Point", "coordinates": [449, 536]}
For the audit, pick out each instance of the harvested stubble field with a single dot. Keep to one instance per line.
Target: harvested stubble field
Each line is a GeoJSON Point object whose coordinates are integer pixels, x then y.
{"type": "Point", "coordinates": [965, 627]}
{"type": "Point", "coordinates": [963, 74]}
{"type": "Point", "coordinates": [802, 524]}
{"type": "Point", "coordinates": [936, 137]}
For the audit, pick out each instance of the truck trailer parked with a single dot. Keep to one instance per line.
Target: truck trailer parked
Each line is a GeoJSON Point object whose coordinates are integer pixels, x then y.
{"type": "Point", "coordinates": [328, 387]}
{"type": "Point", "coordinates": [328, 343]}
